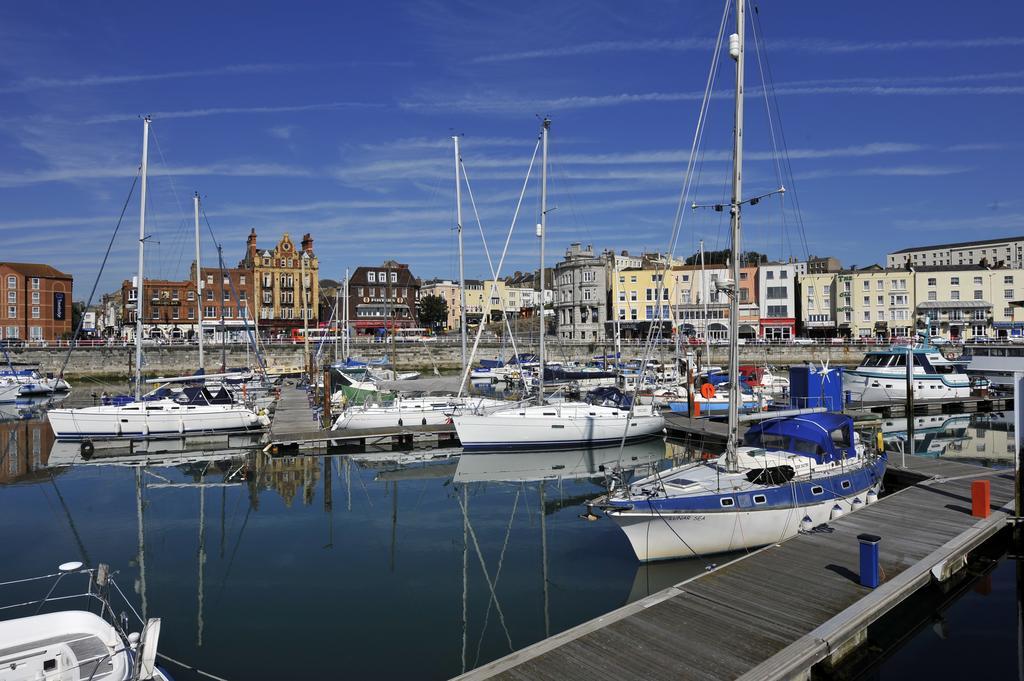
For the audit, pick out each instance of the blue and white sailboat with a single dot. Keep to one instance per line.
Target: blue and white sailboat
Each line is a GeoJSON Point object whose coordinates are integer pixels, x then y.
{"type": "Point", "coordinates": [786, 474]}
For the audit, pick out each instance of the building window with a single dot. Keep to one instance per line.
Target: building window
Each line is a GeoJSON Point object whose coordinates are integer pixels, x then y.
{"type": "Point", "coordinates": [783, 274]}
{"type": "Point", "coordinates": [35, 283]}
{"type": "Point", "coordinates": [241, 279]}
{"type": "Point", "coordinates": [156, 314]}
{"type": "Point", "coordinates": [880, 285]}
{"type": "Point", "coordinates": [12, 311]}
{"type": "Point", "coordinates": [867, 315]}
{"type": "Point", "coordinates": [382, 277]}
{"type": "Point", "coordinates": [209, 279]}
{"type": "Point", "coordinates": [1008, 294]}
{"type": "Point", "coordinates": [954, 295]}
{"type": "Point", "coordinates": [191, 295]}
{"type": "Point", "coordinates": [867, 285]}
{"type": "Point", "coordinates": [227, 294]}
{"type": "Point", "coordinates": [209, 311]}
{"type": "Point", "coordinates": [977, 295]}
{"type": "Point", "coordinates": [394, 277]}
{"type": "Point", "coordinates": [954, 281]}
{"type": "Point", "coordinates": [932, 281]}
{"type": "Point", "coordinates": [1008, 312]}
{"type": "Point", "coordinates": [632, 296]}
{"type": "Point", "coordinates": [35, 313]}
{"type": "Point", "coordinates": [226, 311]}
{"type": "Point", "coordinates": [769, 274]}
{"type": "Point", "coordinates": [632, 279]}
{"type": "Point", "coordinates": [174, 313]}
{"type": "Point", "coordinates": [777, 292]}
{"type": "Point", "coordinates": [12, 296]}
{"type": "Point", "coordinates": [209, 294]}
{"type": "Point", "coordinates": [977, 281]}
{"type": "Point", "coordinates": [371, 277]}
{"type": "Point", "coordinates": [1008, 279]}
{"type": "Point", "coordinates": [881, 315]}
{"type": "Point", "coordinates": [933, 295]}
{"type": "Point", "coordinates": [881, 300]}
{"type": "Point", "coordinates": [35, 333]}
{"type": "Point", "coordinates": [867, 300]}
{"type": "Point", "coordinates": [778, 311]}
{"type": "Point", "coordinates": [12, 282]}
{"type": "Point", "coordinates": [191, 313]}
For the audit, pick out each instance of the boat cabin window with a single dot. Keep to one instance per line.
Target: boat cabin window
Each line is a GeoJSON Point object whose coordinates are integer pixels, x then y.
{"type": "Point", "coordinates": [816, 490]}
{"type": "Point", "coordinates": [845, 484]}
{"type": "Point", "coordinates": [875, 360]}
{"type": "Point", "coordinates": [760, 499]}
{"type": "Point", "coordinates": [727, 502]}
{"type": "Point", "coordinates": [840, 437]}
{"type": "Point", "coordinates": [808, 448]}
{"type": "Point", "coordinates": [770, 441]}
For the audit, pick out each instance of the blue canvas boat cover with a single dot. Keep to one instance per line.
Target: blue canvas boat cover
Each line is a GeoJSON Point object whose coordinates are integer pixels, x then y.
{"type": "Point", "coordinates": [825, 436]}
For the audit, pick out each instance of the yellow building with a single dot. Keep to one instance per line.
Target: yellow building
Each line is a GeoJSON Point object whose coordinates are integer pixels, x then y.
{"type": "Point", "coordinates": [875, 302]}
{"type": "Point", "coordinates": [965, 301]}
{"type": "Point", "coordinates": [278, 284]}
{"type": "Point", "coordinates": [640, 297]}
{"type": "Point", "coordinates": [818, 305]}
{"type": "Point", "coordinates": [449, 291]}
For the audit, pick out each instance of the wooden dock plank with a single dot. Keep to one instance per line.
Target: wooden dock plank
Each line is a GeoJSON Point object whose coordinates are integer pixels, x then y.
{"type": "Point", "coordinates": [783, 606]}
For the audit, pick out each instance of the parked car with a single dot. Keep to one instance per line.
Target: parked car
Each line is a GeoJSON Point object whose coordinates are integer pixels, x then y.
{"type": "Point", "coordinates": [981, 339]}
{"type": "Point", "coordinates": [800, 341]}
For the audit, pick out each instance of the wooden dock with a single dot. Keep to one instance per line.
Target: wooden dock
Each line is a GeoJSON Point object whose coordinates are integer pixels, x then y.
{"type": "Point", "coordinates": [296, 425]}
{"type": "Point", "coordinates": [705, 429]}
{"type": "Point", "coordinates": [779, 611]}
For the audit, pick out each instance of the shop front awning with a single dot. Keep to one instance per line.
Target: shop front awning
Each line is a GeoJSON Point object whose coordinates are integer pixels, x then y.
{"type": "Point", "coordinates": [954, 305]}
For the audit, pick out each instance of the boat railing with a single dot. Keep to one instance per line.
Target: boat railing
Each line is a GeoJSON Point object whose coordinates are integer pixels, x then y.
{"type": "Point", "coordinates": [96, 597]}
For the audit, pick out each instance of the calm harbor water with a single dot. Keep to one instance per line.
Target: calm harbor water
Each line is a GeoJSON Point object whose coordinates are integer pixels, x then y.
{"type": "Point", "coordinates": [381, 565]}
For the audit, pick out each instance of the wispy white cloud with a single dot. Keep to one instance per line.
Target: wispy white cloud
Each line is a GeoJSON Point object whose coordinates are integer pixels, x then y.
{"type": "Point", "coordinates": [220, 111]}
{"type": "Point", "coordinates": [87, 173]}
{"type": "Point", "coordinates": [796, 45]}
{"type": "Point", "coordinates": [515, 105]}
{"type": "Point", "coordinates": [36, 83]}
{"type": "Point", "coordinates": [282, 132]}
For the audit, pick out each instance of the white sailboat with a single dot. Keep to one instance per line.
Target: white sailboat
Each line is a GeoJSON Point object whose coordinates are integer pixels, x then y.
{"type": "Point", "coordinates": [569, 424]}
{"type": "Point", "coordinates": [428, 410]}
{"type": "Point", "coordinates": [150, 418]}
{"type": "Point", "coordinates": [789, 473]}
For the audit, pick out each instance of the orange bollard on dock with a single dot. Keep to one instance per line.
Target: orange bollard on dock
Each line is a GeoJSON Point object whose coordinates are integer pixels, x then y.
{"type": "Point", "coordinates": [981, 498]}
{"type": "Point", "coordinates": [696, 409]}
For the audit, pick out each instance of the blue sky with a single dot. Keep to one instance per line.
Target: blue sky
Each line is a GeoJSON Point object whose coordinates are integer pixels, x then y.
{"type": "Point", "coordinates": [902, 122]}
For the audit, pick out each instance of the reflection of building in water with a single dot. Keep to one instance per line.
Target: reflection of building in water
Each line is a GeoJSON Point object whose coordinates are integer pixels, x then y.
{"type": "Point", "coordinates": [934, 435]}
{"type": "Point", "coordinates": [990, 436]}
{"type": "Point", "coordinates": [24, 449]}
{"type": "Point", "coordinates": [286, 475]}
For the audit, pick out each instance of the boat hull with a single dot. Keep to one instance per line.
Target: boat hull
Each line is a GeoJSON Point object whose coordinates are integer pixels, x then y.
{"type": "Point", "coordinates": [167, 419]}
{"type": "Point", "coordinates": [879, 387]}
{"type": "Point", "coordinates": [496, 433]}
{"type": "Point", "coordinates": [656, 534]}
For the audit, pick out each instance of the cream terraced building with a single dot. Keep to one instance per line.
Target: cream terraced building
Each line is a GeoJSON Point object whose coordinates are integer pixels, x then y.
{"type": "Point", "coordinates": [960, 302]}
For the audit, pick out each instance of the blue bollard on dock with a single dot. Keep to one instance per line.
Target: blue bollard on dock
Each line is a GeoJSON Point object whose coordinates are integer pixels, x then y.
{"type": "Point", "coordinates": [869, 572]}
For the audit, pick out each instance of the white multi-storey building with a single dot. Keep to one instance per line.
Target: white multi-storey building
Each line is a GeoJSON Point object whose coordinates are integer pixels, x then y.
{"type": "Point", "coordinates": [1005, 252]}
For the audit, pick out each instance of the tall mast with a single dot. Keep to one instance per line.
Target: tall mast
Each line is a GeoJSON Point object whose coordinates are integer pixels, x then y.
{"type": "Point", "coordinates": [199, 279]}
{"type": "Point", "coordinates": [704, 300]}
{"type": "Point", "coordinates": [223, 327]}
{"type": "Point", "coordinates": [462, 272]}
{"type": "Point", "coordinates": [541, 228]}
{"type": "Point", "coordinates": [736, 52]}
{"type": "Point", "coordinates": [142, 244]}
{"type": "Point", "coordinates": [344, 330]}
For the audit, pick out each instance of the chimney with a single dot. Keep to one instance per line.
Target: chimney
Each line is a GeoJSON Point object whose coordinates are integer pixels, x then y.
{"type": "Point", "coordinates": [307, 243]}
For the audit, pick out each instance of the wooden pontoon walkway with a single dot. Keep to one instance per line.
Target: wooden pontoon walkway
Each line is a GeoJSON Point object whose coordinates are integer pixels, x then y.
{"type": "Point", "coordinates": [295, 424]}
{"type": "Point", "coordinates": [778, 611]}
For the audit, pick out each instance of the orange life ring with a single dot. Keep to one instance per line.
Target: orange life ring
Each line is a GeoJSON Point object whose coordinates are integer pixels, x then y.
{"type": "Point", "coordinates": [707, 391]}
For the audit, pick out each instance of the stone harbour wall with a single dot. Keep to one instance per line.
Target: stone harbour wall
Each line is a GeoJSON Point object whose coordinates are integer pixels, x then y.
{"type": "Point", "coordinates": [159, 360]}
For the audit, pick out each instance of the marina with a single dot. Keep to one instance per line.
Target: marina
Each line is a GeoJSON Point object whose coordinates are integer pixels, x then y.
{"type": "Point", "coordinates": [667, 341]}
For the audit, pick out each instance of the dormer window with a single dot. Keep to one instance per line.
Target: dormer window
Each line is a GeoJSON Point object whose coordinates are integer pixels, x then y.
{"type": "Point", "coordinates": [371, 277]}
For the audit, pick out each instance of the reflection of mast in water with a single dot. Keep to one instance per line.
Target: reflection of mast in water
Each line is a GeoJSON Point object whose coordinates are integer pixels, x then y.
{"type": "Point", "coordinates": [544, 561]}
{"type": "Point", "coordinates": [394, 520]}
{"type": "Point", "coordinates": [329, 500]}
{"type": "Point", "coordinates": [71, 521]}
{"type": "Point", "coordinates": [223, 506]}
{"type": "Point", "coordinates": [348, 482]}
{"type": "Point", "coordinates": [202, 562]}
{"type": "Point", "coordinates": [465, 572]}
{"type": "Point", "coordinates": [141, 557]}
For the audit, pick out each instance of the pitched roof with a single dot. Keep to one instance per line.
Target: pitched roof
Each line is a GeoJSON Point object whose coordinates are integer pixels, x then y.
{"type": "Point", "coordinates": [979, 242]}
{"type": "Point", "coordinates": [29, 269]}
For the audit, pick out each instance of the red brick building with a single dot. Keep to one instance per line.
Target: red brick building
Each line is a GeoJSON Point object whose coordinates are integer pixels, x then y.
{"type": "Point", "coordinates": [383, 296]}
{"type": "Point", "coordinates": [37, 302]}
{"type": "Point", "coordinates": [227, 295]}
{"type": "Point", "coordinates": [169, 310]}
